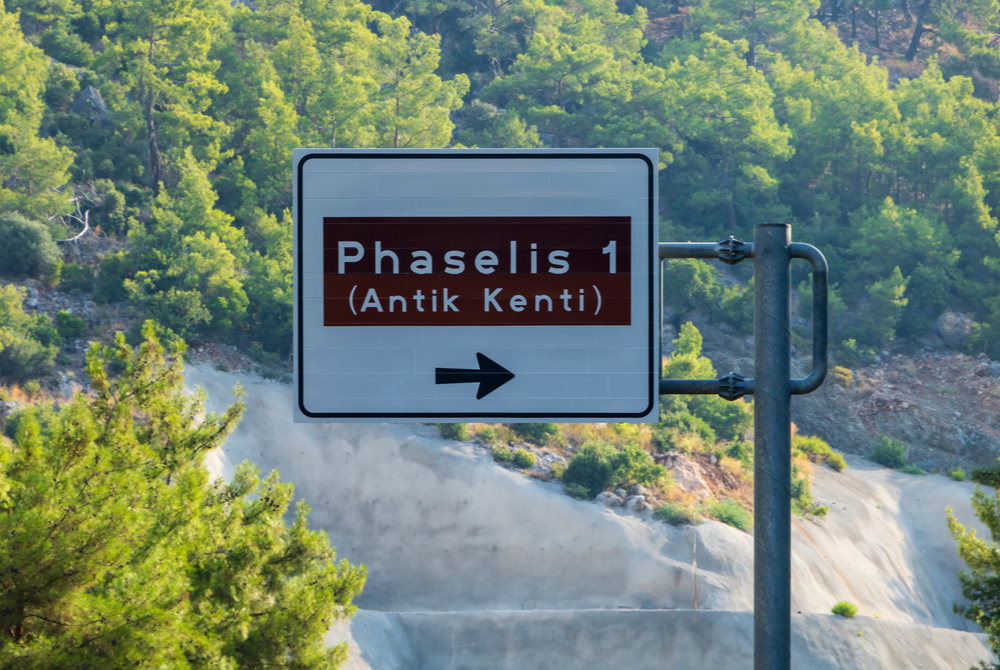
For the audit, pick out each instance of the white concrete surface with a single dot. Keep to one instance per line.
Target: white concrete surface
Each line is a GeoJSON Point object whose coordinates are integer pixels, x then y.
{"type": "Point", "coordinates": [473, 566]}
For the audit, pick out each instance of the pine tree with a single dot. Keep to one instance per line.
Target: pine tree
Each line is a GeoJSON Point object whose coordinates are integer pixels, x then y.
{"type": "Point", "coordinates": [33, 169]}
{"type": "Point", "coordinates": [981, 584]}
{"type": "Point", "coordinates": [117, 551]}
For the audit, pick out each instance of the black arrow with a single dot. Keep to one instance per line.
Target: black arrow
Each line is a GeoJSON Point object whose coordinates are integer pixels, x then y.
{"type": "Point", "coordinates": [490, 376]}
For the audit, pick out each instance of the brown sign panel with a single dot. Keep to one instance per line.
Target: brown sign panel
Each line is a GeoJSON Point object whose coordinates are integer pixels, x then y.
{"type": "Point", "coordinates": [477, 271]}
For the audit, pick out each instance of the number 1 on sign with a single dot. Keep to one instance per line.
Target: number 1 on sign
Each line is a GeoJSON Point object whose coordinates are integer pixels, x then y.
{"type": "Point", "coordinates": [612, 257]}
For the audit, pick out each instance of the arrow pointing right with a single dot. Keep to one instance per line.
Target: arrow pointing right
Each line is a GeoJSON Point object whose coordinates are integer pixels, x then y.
{"type": "Point", "coordinates": [490, 376]}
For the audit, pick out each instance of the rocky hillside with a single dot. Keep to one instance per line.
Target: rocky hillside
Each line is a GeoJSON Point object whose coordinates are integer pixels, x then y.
{"type": "Point", "coordinates": [945, 406]}
{"type": "Point", "coordinates": [475, 566]}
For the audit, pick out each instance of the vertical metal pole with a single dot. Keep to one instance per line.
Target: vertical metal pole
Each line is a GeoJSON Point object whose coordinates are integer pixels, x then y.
{"type": "Point", "coordinates": [772, 449]}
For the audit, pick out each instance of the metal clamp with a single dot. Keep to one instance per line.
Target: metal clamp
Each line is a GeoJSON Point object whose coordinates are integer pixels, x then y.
{"type": "Point", "coordinates": [732, 387]}
{"type": "Point", "coordinates": [731, 251]}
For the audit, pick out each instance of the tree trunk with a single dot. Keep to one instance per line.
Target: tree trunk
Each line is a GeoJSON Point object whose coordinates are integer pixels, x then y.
{"type": "Point", "coordinates": [918, 30]}
{"type": "Point", "coordinates": [155, 158]}
{"type": "Point", "coordinates": [878, 27]}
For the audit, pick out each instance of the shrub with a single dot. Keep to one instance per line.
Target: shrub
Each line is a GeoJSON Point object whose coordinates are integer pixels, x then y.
{"type": "Point", "coordinates": [536, 433]}
{"type": "Point", "coordinates": [591, 469]}
{"type": "Point", "coordinates": [524, 459]}
{"type": "Point", "coordinates": [742, 451]}
{"type": "Point", "coordinates": [521, 458]}
{"type": "Point", "coordinates": [598, 465]}
{"type": "Point", "coordinates": [676, 514]}
{"type": "Point", "coordinates": [986, 476]}
{"type": "Point", "coordinates": [675, 425]}
{"type": "Point", "coordinates": [729, 512]}
{"type": "Point", "coordinates": [844, 609]}
{"type": "Point", "coordinates": [558, 470]}
{"type": "Point", "coordinates": [28, 249]}
{"type": "Point", "coordinates": [502, 454]}
{"type": "Point", "coordinates": [958, 474]}
{"type": "Point", "coordinates": [836, 461]}
{"type": "Point", "coordinates": [109, 283]}
{"type": "Point", "coordinates": [842, 376]}
{"type": "Point", "coordinates": [69, 325]}
{"type": "Point", "coordinates": [852, 355]}
{"type": "Point", "coordinates": [729, 420]}
{"type": "Point", "coordinates": [488, 435]}
{"type": "Point", "coordinates": [77, 278]}
{"type": "Point", "coordinates": [913, 470]}
{"type": "Point", "coordinates": [455, 431]}
{"type": "Point", "coordinates": [809, 446]}
{"type": "Point", "coordinates": [888, 452]}
{"type": "Point", "coordinates": [28, 342]}
{"type": "Point", "coordinates": [577, 491]}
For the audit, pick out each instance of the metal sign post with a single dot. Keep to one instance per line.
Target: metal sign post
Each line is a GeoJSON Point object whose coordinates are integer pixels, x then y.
{"type": "Point", "coordinates": [772, 387]}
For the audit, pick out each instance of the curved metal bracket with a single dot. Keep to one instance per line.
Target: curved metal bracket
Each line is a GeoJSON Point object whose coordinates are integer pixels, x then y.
{"type": "Point", "coordinates": [734, 386]}
{"type": "Point", "coordinates": [820, 338]}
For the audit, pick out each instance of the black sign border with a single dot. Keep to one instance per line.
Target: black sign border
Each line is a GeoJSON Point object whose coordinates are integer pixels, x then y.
{"type": "Point", "coordinates": [654, 323]}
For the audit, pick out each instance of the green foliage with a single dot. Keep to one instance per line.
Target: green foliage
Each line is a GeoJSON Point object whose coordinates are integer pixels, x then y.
{"type": "Point", "coordinates": [558, 470]}
{"type": "Point", "coordinates": [958, 474]}
{"type": "Point", "coordinates": [77, 278]}
{"type": "Point", "coordinates": [174, 121]}
{"type": "Point", "coordinates": [844, 609]}
{"type": "Point", "coordinates": [455, 431]}
{"type": "Point", "coordinates": [28, 249]}
{"type": "Point", "coordinates": [809, 446]}
{"type": "Point", "coordinates": [913, 470]}
{"type": "Point", "coordinates": [729, 512]}
{"type": "Point", "coordinates": [676, 514]}
{"type": "Point", "coordinates": [520, 458]}
{"type": "Point", "coordinates": [989, 476]}
{"type": "Point", "coordinates": [577, 490]}
{"type": "Point", "coordinates": [28, 342]}
{"type": "Point", "coordinates": [836, 461]}
{"type": "Point", "coordinates": [801, 493]}
{"type": "Point", "coordinates": [536, 433]}
{"type": "Point", "coordinates": [69, 325]}
{"type": "Point", "coordinates": [599, 465]}
{"type": "Point", "coordinates": [888, 452]}
{"type": "Point", "coordinates": [33, 168]}
{"type": "Point", "coordinates": [842, 376]}
{"type": "Point", "coordinates": [524, 459]}
{"type": "Point", "coordinates": [982, 559]}
{"type": "Point", "coordinates": [502, 454]}
{"type": "Point", "coordinates": [690, 284]}
{"type": "Point", "coordinates": [112, 532]}
{"type": "Point", "coordinates": [591, 469]}
{"type": "Point", "coordinates": [488, 435]}
{"type": "Point", "coordinates": [818, 451]}
{"type": "Point", "coordinates": [709, 417]}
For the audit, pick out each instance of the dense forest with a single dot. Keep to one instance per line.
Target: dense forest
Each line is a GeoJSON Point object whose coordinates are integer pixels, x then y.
{"type": "Point", "coordinates": [167, 125]}
{"type": "Point", "coordinates": [161, 131]}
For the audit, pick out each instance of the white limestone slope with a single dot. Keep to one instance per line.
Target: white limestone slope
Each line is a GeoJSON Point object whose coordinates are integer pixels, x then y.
{"type": "Point", "coordinates": [473, 566]}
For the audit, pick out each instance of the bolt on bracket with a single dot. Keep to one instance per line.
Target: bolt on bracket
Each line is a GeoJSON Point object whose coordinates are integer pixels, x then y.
{"type": "Point", "coordinates": [731, 250]}
{"type": "Point", "coordinates": [733, 386]}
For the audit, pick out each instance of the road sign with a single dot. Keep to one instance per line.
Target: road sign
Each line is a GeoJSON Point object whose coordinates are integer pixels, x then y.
{"type": "Point", "coordinates": [466, 285]}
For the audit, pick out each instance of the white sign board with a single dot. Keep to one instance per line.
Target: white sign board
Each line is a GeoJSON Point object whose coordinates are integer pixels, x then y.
{"type": "Point", "coordinates": [476, 285]}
